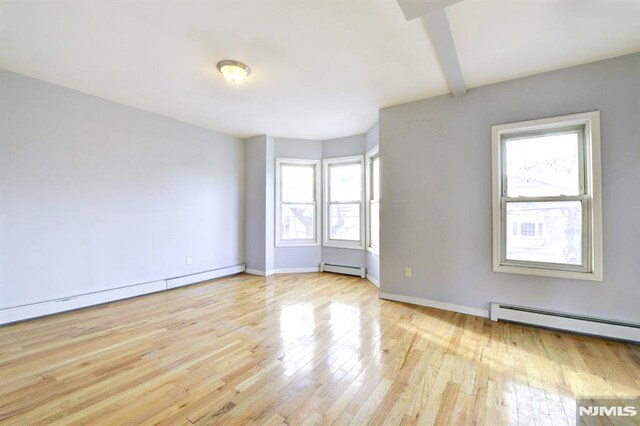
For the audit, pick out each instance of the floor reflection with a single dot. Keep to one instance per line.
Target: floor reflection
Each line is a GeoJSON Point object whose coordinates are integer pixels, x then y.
{"type": "Point", "coordinates": [297, 326]}
{"type": "Point", "coordinates": [346, 338]}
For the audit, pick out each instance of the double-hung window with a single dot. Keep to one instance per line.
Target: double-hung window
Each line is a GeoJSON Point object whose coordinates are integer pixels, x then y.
{"type": "Point", "coordinates": [373, 199]}
{"type": "Point", "coordinates": [344, 202]}
{"type": "Point", "coordinates": [547, 198]}
{"type": "Point", "coordinates": [297, 206]}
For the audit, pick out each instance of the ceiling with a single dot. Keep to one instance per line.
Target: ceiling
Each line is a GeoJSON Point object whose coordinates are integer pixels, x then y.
{"type": "Point", "coordinates": [320, 68]}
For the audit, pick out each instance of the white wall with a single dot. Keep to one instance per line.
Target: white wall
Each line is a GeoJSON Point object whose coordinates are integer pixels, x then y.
{"type": "Point", "coordinates": [96, 195]}
{"type": "Point", "coordinates": [436, 191]}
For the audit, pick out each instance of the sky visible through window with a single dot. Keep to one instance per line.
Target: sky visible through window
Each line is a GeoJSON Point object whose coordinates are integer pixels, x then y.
{"type": "Point", "coordinates": [543, 166]}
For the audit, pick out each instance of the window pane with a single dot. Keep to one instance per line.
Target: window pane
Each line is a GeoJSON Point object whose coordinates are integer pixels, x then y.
{"type": "Point", "coordinates": [375, 224]}
{"type": "Point", "coordinates": [550, 231]}
{"type": "Point", "coordinates": [528, 229]}
{"type": "Point", "coordinates": [345, 182]}
{"type": "Point", "coordinates": [297, 222]}
{"type": "Point", "coordinates": [344, 222]}
{"type": "Point", "coordinates": [297, 183]}
{"type": "Point", "coordinates": [375, 179]}
{"type": "Point", "coordinates": [543, 166]}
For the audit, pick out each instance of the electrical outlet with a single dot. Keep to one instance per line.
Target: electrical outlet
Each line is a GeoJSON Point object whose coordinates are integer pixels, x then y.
{"type": "Point", "coordinates": [408, 271]}
{"type": "Point", "coordinates": [189, 260]}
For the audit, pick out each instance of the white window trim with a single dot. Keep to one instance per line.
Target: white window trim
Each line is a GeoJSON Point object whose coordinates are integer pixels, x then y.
{"type": "Point", "coordinates": [592, 222]}
{"type": "Point", "coordinates": [369, 156]}
{"type": "Point", "coordinates": [326, 241]}
{"type": "Point", "coordinates": [315, 241]}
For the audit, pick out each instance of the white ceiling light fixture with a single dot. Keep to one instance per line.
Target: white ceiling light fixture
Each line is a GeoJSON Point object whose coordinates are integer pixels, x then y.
{"type": "Point", "coordinates": [234, 71]}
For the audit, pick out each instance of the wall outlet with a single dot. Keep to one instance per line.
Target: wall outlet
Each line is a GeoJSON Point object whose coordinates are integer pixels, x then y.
{"type": "Point", "coordinates": [189, 260]}
{"type": "Point", "coordinates": [408, 271]}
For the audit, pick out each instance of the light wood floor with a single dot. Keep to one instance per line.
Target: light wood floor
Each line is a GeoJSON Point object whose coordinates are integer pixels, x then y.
{"type": "Point", "coordinates": [297, 349]}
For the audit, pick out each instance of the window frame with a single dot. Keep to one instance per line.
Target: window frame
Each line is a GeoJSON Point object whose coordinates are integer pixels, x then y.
{"type": "Point", "coordinates": [315, 241]}
{"type": "Point", "coordinates": [590, 195]}
{"type": "Point", "coordinates": [370, 157]}
{"type": "Point", "coordinates": [327, 240]}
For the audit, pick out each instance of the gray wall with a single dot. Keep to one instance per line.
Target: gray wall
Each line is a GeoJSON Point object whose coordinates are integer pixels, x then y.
{"type": "Point", "coordinates": [344, 147]}
{"type": "Point", "coordinates": [436, 189]}
{"type": "Point", "coordinates": [255, 202]}
{"type": "Point", "coordinates": [270, 199]}
{"type": "Point", "coordinates": [372, 140]}
{"type": "Point", "coordinates": [298, 257]}
{"type": "Point", "coordinates": [373, 265]}
{"type": "Point", "coordinates": [259, 198]}
{"type": "Point", "coordinates": [372, 137]}
{"type": "Point", "coordinates": [96, 195]}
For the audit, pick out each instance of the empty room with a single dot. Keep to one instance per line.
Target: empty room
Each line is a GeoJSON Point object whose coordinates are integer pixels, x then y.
{"type": "Point", "coordinates": [320, 212]}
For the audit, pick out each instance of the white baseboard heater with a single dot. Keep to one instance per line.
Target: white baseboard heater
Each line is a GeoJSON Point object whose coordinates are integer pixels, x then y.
{"type": "Point", "coordinates": [69, 303]}
{"type": "Point", "coordinates": [561, 321]}
{"type": "Point", "coordinates": [342, 269]}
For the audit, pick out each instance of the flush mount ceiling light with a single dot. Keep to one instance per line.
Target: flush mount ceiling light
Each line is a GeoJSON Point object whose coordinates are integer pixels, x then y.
{"type": "Point", "coordinates": [233, 71]}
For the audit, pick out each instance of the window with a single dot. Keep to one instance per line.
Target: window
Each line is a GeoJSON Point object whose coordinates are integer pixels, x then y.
{"type": "Point", "coordinates": [546, 191]}
{"type": "Point", "coordinates": [344, 202]}
{"type": "Point", "coordinates": [297, 207]}
{"type": "Point", "coordinates": [373, 199]}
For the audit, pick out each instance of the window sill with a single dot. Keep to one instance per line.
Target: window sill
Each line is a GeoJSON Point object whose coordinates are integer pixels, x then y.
{"type": "Point", "coordinates": [375, 251]}
{"type": "Point", "coordinates": [335, 244]}
{"type": "Point", "coordinates": [297, 244]}
{"type": "Point", "coordinates": [553, 273]}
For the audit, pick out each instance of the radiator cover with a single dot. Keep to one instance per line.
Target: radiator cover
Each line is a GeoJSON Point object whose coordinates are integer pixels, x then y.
{"type": "Point", "coordinates": [568, 322]}
{"type": "Point", "coordinates": [343, 269]}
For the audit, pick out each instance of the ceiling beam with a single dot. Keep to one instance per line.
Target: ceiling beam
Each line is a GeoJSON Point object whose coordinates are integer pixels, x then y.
{"type": "Point", "coordinates": [435, 20]}
{"type": "Point", "coordinates": [437, 25]}
{"type": "Point", "coordinates": [413, 9]}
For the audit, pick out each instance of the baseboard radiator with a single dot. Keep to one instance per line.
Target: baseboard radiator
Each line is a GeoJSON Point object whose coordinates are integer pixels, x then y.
{"type": "Point", "coordinates": [342, 269]}
{"type": "Point", "coordinates": [69, 303]}
{"type": "Point", "coordinates": [561, 321]}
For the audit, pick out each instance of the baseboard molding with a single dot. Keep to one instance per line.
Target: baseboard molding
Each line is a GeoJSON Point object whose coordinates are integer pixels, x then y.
{"type": "Point", "coordinates": [204, 276]}
{"type": "Point", "coordinates": [373, 281]}
{"type": "Point", "coordinates": [34, 310]}
{"type": "Point", "coordinates": [296, 270]}
{"type": "Point", "coordinates": [281, 271]}
{"type": "Point", "coordinates": [435, 304]}
{"type": "Point", "coordinates": [20, 313]}
{"type": "Point", "coordinates": [258, 272]}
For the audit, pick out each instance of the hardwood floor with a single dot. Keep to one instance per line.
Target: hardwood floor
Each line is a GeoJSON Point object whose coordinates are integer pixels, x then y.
{"type": "Point", "coordinates": [297, 349]}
